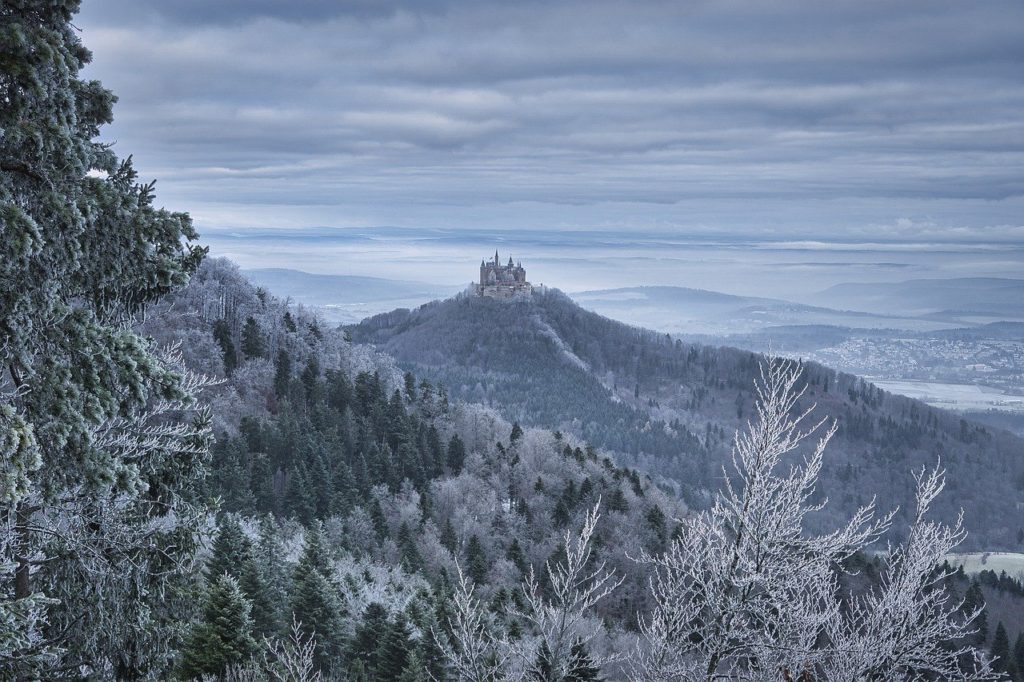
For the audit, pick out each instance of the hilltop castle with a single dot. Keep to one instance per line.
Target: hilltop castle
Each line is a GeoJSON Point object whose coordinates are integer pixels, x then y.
{"type": "Point", "coordinates": [502, 281]}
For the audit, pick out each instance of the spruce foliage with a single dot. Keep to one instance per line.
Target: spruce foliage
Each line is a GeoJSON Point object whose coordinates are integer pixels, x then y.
{"type": "Point", "coordinates": [85, 583]}
{"type": "Point", "coordinates": [224, 637]}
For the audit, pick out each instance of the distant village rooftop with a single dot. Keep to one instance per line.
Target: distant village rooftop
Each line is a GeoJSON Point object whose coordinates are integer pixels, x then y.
{"type": "Point", "coordinates": [503, 281]}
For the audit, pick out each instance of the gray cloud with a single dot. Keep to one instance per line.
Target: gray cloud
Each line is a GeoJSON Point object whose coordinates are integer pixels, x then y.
{"type": "Point", "coordinates": [845, 119]}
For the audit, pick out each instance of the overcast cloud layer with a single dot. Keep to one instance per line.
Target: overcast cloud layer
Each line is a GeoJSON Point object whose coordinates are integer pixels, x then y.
{"type": "Point", "coordinates": [838, 120]}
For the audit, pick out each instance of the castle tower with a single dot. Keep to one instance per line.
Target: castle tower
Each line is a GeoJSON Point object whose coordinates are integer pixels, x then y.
{"type": "Point", "coordinates": [503, 281]}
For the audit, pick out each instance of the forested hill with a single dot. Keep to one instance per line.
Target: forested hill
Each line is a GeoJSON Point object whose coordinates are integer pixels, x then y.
{"type": "Point", "coordinates": [671, 408]}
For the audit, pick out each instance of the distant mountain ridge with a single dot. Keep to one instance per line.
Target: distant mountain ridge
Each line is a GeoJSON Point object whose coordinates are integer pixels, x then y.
{"type": "Point", "coordinates": [671, 407]}
{"type": "Point", "coordinates": [982, 296]}
{"type": "Point", "coordinates": [681, 310]}
{"type": "Point", "coordinates": [346, 298]}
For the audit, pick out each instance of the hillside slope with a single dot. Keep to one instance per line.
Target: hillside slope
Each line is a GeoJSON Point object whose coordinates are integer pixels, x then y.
{"type": "Point", "coordinates": [671, 407]}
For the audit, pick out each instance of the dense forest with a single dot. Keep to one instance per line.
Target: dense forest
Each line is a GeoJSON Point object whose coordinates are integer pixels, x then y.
{"type": "Point", "coordinates": [670, 408]}
{"type": "Point", "coordinates": [201, 481]}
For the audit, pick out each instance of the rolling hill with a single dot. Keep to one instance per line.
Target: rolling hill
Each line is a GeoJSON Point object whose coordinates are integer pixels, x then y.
{"type": "Point", "coordinates": [671, 407]}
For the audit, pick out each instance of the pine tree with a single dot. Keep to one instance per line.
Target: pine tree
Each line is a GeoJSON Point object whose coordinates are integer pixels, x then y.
{"type": "Point", "coordinates": [581, 668]}
{"type": "Point", "coordinates": [84, 251]}
{"type": "Point", "coordinates": [315, 602]}
{"type": "Point", "coordinates": [392, 653]}
{"type": "Point", "coordinates": [448, 538]}
{"type": "Point", "coordinates": [415, 670]}
{"type": "Point", "coordinates": [370, 632]}
{"type": "Point", "coordinates": [543, 669]}
{"type": "Point", "coordinates": [476, 561]}
{"type": "Point", "coordinates": [231, 550]}
{"type": "Point", "coordinates": [1001, 648]}
{"type": "Point", "coordinates": [224, 637]}
{"type": "Point", "coordinates": [516, 556]}
{"type": "Point", "coordinates": [411, 559]}
{"type": "Point", "coordinates": [222, 335]}
{"type": "Point", "coordinates": [253, 345]}
{"type": "Point", "coordinates": [254, 585]}
{"type": "Point", "coordinates": [456, 454]}
{"type": "Point", "coordinates": [282, 373]}
{"type": "Point", "coordinates": [1018, 654]}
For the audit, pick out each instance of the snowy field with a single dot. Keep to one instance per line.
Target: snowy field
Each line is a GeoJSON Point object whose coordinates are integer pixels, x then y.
{"type": "Point", "coordinates": [955, 396]}
{"type": "Point", "coordinates": [1011, 562]}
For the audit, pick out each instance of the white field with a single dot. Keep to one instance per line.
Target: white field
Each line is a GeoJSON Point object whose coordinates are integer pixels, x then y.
{"type": "Point", "coordinates": [1011, 562]}
{"type": "Point", "coordinates": [955, 396]}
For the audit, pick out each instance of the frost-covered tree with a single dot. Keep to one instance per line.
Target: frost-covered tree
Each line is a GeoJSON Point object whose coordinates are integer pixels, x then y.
{"type": "Point", "coordinates": [744, 592]}
{"type": "Point", "coordinates": [475, 650]}
{"type": "Point", "coordinates": [563, 618]}
{"type": "Point", "coordinates": [912, 627]}
{"type": "Point", "coordinates": [100, 457]}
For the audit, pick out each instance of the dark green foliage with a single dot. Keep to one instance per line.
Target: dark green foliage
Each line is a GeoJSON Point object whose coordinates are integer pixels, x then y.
{"type": "Point", "coordinates": [411, 560]}
{"type": "Point", "coordinates": [515, 555]}
{"type": "Point", "coordinates": [617, 501]}
{"type": "Point", "coordinates": [544, 667]}
{"type": "Point", "coordinates": [476, 561]}
{"type": "Point", "coordinates": [974, 600]}
{"type": "Point", "coordinates": [224, 637]}
{"type": "Point", "coordinates": [393, 649]}
{"type": "Point", "coordinates": [1001, 648]}
{"type": "Point", "coordinates": [282, 373]}
{"type": "Point", "coordinates": [456, 454]}
{"type": "Point", "coordinates": [370, 633]}
{"type": "Point", "coordinates": [315, 602]}
{"type": "Point", "coordinates": [448, 537]}
{"type": "Point", "coordinates": [253, 344]}
{"type": "Point", "coordinates": [231, 550]}
{"type": "Point", "coordinates": [578, 668]}
{"type": "Point", "coordinates": [1018, 655]}
{"type": "Point", "coordinates": [655, 519]}
{"type": "Point", "coordinates": [83, 252]}
{"type": "Point", "coordinates": [329, 443]}
{"type": "Point", "coordinates": [581, 668]}
{"type": "Point", "coordinates": [222, 335]}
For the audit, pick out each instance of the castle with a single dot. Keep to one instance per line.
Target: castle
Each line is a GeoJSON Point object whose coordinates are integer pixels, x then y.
{"type": "Point", "coordinates": [502, 281]}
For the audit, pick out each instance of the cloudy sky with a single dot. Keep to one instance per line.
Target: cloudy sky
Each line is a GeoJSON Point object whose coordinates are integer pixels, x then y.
{"type": "Point", "coordinates": [745, 119]}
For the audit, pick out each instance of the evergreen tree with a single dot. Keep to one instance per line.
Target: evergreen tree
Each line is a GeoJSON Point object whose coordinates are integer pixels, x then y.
{"type": "Point", "coordinates": [254, 584]}
{"type": "Point", "coordinates": [222, 335]}
{"type": "Point", "coordinates": [224, 637]}
{"type": "Point", "coordinates": [448, 538]}
{"type": "Point", "coordinates": [1018, 655]}
{"type": "Point", "coordinates": [282, 373]}
{"type": "Point", "coordinates": [83, 252]}
{"type": "Point", "coordinates": [369, 634]}
{"type": "Point", "coordinates": [476, 561]}
{"type": "Point", "coordinates": [253, 344]}
{"type": "Point", "coordinates": [1001, 648]}
{"type": "Point", "coordinates": [392, 653]}
{"type": "Point", "coordinates": [581, 668]}
{"type": "Point", "coordinates": [315, 602]}
{"type": "Point", "coordinates": [456, 454]}
{"type": "Point", "coordinates": [411, 559]}
{"type": "Point", "coordinates": [516, 556]}
{"type": "Point", "coordinates": [231, 550]}
{"type": "Point", "coordinates": [415, 669]}
{"type": "Point", "coordinates": [973, 600]}
{"type": "Point", "coordinates": [543, 669]}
